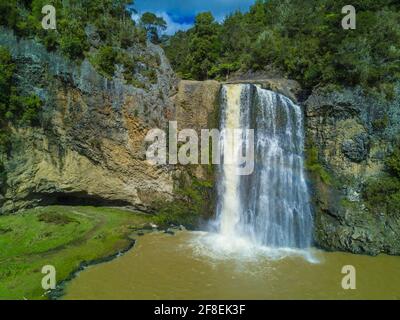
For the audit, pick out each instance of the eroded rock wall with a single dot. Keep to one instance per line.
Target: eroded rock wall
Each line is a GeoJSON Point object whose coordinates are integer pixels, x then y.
{"type": "Point", "coordinates": [349, 137]}
{"type": "Point", "coordinates": [89, 147]}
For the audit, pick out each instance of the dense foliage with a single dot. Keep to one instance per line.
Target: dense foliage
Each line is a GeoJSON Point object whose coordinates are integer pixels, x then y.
{"type": "Point", "coordinates": [302, 39]}
{"type": "Point", "coordinates": [14, 107]}
{"type": "Point", "coordinates": [383, 193]}
{"type": "Point", "coordinates": [100, 30]}
{"type": "Point", "coordinates": [111, 18]}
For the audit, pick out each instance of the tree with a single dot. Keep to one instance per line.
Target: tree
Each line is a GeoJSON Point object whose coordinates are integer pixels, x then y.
{"type": "Point", "coordinates": [153, 26]}
{"type": "Point", "coordinates": [105, 60]}
{"type": "Point", "coordinates": [73, 40]}
{"type": "Point", "coordinates": [300, 39]}
{"type": "Point", "coordinates": [177, 49]}
{"type": "Point", "coordinates": [9, 13]}
{"type": "Point", "coordinates": [204, 45]}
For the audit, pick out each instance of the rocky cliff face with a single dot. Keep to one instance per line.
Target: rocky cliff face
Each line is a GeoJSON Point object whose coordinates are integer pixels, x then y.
{"type": "Point", "coordinates": [197, 107]}
{"type": "Point", "coordinates": [349, 136]}
{"type": "Point", "coordinates": [90, 146]}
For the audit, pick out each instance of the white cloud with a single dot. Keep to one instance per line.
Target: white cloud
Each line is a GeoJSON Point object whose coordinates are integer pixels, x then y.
{"type": "Point", "coordinates": [172, 26]}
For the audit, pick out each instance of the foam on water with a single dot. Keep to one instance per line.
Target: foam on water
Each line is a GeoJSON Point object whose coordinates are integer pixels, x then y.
{"type": "Point", "coordinates": [216, 247]}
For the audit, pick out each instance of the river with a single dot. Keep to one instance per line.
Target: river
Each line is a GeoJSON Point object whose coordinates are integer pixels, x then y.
{"type": "Point", "coordinates": [161, 266]}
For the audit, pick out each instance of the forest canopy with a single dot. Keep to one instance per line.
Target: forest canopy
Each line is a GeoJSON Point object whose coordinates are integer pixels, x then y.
{"type": "Point", "coordinates": [304, 40]}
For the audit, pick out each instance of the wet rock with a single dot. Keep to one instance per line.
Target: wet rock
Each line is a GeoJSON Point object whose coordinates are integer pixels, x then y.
{"type": "Point", "coordinates": [170, 231]}
{"type": "Point", "coordinates": [150, 226]}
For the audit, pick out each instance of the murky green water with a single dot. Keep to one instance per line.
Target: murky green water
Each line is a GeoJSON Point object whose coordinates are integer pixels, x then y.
{"type": "Point", "coordinates": [173, 267]}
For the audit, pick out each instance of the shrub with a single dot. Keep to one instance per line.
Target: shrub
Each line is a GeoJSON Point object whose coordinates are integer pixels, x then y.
{"type": "Point", "coordinates": [384, 192]}
{"type": "Point", "coordinates": [3, 177]}
{"type": "Point", "coordinates": [104, 61]}
{"type": "Point", "coordinates": [377, 190]}
{"type": "Point", "coordinates": [73, 42]}
{"type": "Point", "coordinates": [393, 162]}
{"type": "Point", "coordinates": [128, 63]}
{"type": "Point", "coordinates": [7, 68]}
{"type": "Point", "coordinates": [381, 123]}
{"type": "Point", "coordinates": [9, 13]}
{"type": "Point", "coordinates": [23, 110]}
{"type": "Point", "coordinates": [31, 107]}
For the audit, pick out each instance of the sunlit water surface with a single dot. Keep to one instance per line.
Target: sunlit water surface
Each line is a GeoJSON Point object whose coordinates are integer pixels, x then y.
{"type": "Point", "coordinates": [196, 265]}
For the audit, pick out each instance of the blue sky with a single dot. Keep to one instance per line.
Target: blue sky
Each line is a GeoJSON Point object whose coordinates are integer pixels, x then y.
{"type": "Point", "coordinates": [179, 14]}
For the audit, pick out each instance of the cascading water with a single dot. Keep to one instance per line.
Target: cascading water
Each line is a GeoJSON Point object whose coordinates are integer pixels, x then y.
{"type": "Point", "coordinates": [269, 207]}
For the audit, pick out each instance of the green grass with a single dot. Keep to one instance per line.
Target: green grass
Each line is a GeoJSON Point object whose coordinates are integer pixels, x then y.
{"type": "Point", "coordinates": [59, 236]}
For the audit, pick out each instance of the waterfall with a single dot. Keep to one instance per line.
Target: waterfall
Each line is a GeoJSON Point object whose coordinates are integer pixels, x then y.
{"type": "Point", "coordinates": [231, 180]}
{"type": "Point", "coordinates": [269, 207]}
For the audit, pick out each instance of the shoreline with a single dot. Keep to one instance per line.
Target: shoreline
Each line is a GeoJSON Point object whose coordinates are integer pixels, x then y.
{"type": "Point", "coordinates": [59, 291]}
